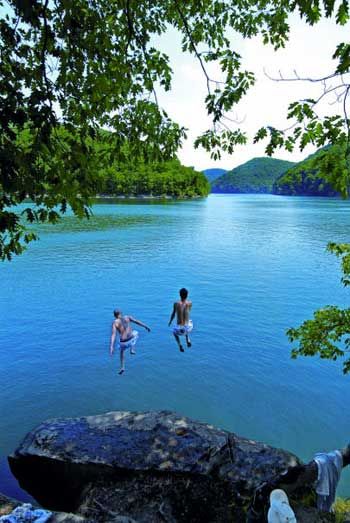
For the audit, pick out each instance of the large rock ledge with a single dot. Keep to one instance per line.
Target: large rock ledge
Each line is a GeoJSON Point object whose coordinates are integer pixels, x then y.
{"type": "Point", "coordinates": [144, 467]}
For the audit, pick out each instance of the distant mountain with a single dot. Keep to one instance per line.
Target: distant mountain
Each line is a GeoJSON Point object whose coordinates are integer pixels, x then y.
{"type": "Point", "coordinates": [212, 174]}
{"type": "Point", "coordinates": [255, 176]}
{"type": "Point", "coordinates": [305, 178]}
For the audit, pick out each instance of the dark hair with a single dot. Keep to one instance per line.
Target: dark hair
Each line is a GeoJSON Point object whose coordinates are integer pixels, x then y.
{"type": "Point", "coordinates": [117, 313]}
{"type": "Point", "coordinates": [183, 293]}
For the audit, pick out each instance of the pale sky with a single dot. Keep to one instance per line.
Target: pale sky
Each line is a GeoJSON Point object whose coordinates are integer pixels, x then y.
{"type": "Point", "coordinates": [309, 51]}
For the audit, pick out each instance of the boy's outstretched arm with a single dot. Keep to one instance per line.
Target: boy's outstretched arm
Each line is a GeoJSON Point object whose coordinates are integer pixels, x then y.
{"type": "Point", "coordinates": [138, 322]}
{"type": "Point", "coordinates": [113, 335]}
{"type": "Point", "coordinates": [172, 315]}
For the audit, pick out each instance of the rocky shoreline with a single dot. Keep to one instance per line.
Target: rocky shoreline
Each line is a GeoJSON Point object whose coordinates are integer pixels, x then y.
{"type": "Point", "coordinates": [148, 467]}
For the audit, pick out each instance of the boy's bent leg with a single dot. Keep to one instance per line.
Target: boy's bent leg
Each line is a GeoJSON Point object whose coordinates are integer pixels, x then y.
{"type": "Point", "coordinates": [188, 341]}
{"type": "Point", "coordinates": [122, 368]}
{"type": "Point", "coordinates": [179, 343]}
{"type": "Point", "coordinates": [133, 345]}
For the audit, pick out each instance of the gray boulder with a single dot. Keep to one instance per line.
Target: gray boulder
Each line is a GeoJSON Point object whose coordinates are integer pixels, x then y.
{"type": "Point", "coordinates": [311, 515]}
{"type": "Point", "coordinates": [146, 466]}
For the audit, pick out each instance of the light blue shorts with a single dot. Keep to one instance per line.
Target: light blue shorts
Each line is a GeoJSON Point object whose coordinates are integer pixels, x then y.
{"type": "Point", "coordinates": [183, 330]}
{"type": "Point", "coordinates": [129, 343]}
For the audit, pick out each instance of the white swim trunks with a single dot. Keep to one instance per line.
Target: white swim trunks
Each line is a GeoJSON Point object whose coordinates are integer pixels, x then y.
{"type": "Point", "coordinates": [183, 330]}
{"type": "Point", "coordinates": [130, 342]}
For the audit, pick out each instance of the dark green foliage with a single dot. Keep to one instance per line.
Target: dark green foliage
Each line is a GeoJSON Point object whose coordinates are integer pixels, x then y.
{"type": "Point", "coordinates": [328, 333]}
{"type": "Point", "coordinates": [255, 176]}
{"type": "Point", "coordinates": [213, 174]}
{"type": "Point", "coordinates": [127, 175]}
{"type": "Point", "coordinates": [123, 174]}
{"type": "Point", "coordinates": [157, 179]}
{"type": "Point", "coordinates": [317, 175]}
{"type": "Point", "coordinates": [342, 250]}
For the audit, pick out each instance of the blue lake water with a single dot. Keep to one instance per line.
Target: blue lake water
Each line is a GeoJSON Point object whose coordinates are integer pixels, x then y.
{"type": "Point", "coordinates": [255, 265]}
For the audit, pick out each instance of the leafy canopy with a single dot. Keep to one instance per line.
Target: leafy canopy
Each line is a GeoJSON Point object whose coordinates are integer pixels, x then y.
{"type": "Point", "coordinates": [81, 66]}
{"type": "Point", "coordinates": [328, 333]}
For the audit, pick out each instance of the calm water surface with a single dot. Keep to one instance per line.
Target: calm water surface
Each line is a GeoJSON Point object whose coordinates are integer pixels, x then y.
{"type": "Point", "coordinates": [254, 265]}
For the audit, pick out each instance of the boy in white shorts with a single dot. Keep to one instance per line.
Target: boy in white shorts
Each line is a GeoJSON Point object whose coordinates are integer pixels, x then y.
{"type": "Point", "coordinates": [184, 325]}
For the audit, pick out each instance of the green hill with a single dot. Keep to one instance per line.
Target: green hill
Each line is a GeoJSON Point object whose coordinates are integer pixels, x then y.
{"type": "Point", "coordinates": [312, 176]}
{"type": "Point", "coordinates": [122, 174]}
{"type": "Point", "coordinates": [213, 174]}
{"type": "Point", "coordinates": [255, 176]}
{"type": "Point", "coordinates": [168, 178]}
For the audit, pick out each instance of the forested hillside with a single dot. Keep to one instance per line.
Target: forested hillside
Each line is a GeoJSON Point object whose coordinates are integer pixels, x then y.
{"type": "Point", "coordinates": [255, 176]}
{"type": "Point", "coordinates": [312, 176]}
{"type": "Point", "coordinates": [213, 174]}
{"type": "Point", "coordinates": [126, 174]}
{"type": "Point", "coordinates": [155, 179]}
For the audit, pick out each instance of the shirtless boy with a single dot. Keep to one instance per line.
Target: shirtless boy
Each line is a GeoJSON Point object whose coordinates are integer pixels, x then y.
{"type": "Point", "coordinates": [127, 336]}
{"type": "Point", "coordinates": [184, 325]}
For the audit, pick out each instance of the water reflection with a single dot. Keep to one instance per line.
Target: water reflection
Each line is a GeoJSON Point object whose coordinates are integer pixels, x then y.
{"type": "Point", "coordinates": [94, 223]}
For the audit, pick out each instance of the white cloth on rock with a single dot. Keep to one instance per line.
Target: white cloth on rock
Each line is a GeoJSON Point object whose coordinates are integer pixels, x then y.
{"type": "Point", "coordinates": [329, 465]}
{"type": "Point", "coordinates": [280, 511]}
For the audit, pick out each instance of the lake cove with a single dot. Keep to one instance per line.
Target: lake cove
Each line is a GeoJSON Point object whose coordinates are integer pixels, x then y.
{"type": "Point", "coordinates": [254, 266]}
